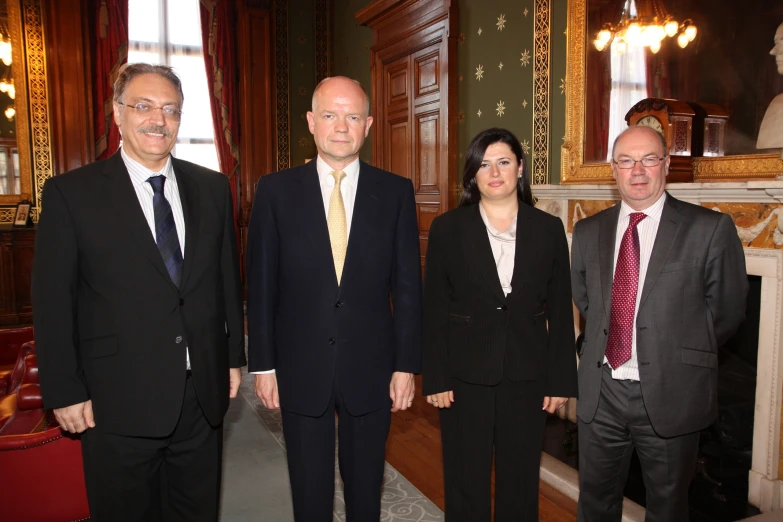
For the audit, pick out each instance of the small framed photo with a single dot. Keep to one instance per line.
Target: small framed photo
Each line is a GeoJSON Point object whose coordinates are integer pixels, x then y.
{"type": "Point", "coordinates": [22, 215]}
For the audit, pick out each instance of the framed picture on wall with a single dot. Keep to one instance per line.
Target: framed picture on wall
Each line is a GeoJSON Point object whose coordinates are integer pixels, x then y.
{"type": "Point", "coordinates": [22, 215]}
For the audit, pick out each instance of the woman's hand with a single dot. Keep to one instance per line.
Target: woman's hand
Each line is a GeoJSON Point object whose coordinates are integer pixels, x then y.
{"type": "Point", "coordinates": [442, 399]}
{"type": "Point", "coordinates": [552, 404]}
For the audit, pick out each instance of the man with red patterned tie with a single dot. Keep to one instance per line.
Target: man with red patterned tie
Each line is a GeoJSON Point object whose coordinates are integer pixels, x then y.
{"type": "Point", "coordinates": [662, 284]}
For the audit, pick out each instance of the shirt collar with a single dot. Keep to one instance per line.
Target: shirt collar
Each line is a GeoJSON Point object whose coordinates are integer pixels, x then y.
{"type": "Point", "coordinates": [325, 172]}
{"type": "Point", "coordinates": [507, 235]}
{"type": "Point", "coordinates": [654, 211]}
{"type": "Point", "coordinates": [139, 173]}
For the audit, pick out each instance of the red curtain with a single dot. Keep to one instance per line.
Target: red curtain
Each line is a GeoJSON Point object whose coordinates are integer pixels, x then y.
{"type": "Point", "coordinates": [110, 52]}
{"type": "Point", "coordinates": [218, 27]}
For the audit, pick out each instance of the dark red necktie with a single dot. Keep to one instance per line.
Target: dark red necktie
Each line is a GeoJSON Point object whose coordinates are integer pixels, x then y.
{"type": "Point", "coordinates": [624, 289]}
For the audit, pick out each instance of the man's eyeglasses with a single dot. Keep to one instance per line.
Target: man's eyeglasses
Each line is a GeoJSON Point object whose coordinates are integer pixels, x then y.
{"type": "Point", "coordinates": [169, 111]}
{"type": "Point", "coordinates": [647, 161]}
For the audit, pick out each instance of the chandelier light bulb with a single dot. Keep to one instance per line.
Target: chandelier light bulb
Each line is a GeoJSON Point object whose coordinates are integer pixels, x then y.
{"type": "Point", "coordinates": [671, 28]}
{"type": "Point", "coordinates": [633, 33]}
{"type": "Point", "coordinates": [682, 40]}
{"type": "Point", "coordinates": [604, 35]}
{"type": "Point", "coordinates": [10, 112]}
{"type": "Point", "coordinates": [599, 44]}
{"type": "Point", "coordinates": [12, 92]}
{"type": "Point", "coordinates": [621, 46]}
{"type": "Point", "coordinates": [690, 32]}
{"type": "Point", "coordinates": [655, 47]}
{"type": "Point", "coordinates": [4, 86]}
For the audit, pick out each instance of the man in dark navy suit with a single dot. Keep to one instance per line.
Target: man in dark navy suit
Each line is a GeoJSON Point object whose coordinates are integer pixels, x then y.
{"type": "Point", "coordinates": [138, 312]}
{"type": "Point", "coordinates": [333, 245]}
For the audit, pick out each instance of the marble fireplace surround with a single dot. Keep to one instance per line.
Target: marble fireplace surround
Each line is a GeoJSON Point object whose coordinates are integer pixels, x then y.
{"type": "Point", "coordinates": [765, 484]}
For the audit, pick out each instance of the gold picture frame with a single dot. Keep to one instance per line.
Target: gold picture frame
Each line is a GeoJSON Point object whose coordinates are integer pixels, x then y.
{"type": "Point", "coordinates": [573, 167]}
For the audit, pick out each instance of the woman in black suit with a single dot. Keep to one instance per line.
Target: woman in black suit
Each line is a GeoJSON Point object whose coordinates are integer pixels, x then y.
{"type": "Point", "coordinates": [498, 334]}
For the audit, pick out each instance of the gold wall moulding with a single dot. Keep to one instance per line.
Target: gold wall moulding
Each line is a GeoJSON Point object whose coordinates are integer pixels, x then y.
{"type": "Point", "coordinates": [541, 56]}
{"type": "Point", "coordinates": [573, 167]}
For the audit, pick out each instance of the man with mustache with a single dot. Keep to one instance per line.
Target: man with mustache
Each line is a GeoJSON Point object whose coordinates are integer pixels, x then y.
{"type": "Point", "coordinates": [138, 312]}
{"type": "Point", "coordinates": [662, 284]}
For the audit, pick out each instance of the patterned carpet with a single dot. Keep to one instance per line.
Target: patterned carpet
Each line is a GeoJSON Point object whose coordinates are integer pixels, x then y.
{"type": "Point", "coordinates": [401, 501]}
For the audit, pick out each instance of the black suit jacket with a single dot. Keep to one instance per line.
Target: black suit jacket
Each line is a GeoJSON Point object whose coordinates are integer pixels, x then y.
{"type": "Point", "coordinates": [693, 300]}
{"type": "Point", "coordinates": [110, 325]}
{"type": "Point", "coordinates": [476, 334]}
{"type": "Point", "coordinates": [300, 322]}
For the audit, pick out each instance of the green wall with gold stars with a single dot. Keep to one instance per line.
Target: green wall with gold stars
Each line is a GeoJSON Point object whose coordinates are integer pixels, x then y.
{"type": "Point", "coordinates": [495, 57]}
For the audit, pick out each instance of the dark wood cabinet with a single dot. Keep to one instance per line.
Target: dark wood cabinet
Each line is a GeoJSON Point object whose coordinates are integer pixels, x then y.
{"type": "Point", "coordinates": [16, 267]}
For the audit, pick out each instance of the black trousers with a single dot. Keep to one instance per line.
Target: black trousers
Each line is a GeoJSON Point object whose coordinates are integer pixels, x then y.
{"type": "Point", "coordinates": [507, 418]}
{"type": "Point", "coordinates": [605, 448]}
{"type": "Point", "coordinates": [161, 479]}
{"type": "Point", "coordinates": [362, 450]}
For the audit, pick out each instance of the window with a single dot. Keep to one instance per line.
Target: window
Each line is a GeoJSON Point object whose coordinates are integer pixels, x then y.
{"type": "Point", "coordinates": [629, 82]}
{"type": "Point", "coordinates": [168, 32]}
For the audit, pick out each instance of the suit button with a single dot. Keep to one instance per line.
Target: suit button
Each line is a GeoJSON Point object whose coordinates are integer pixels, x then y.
{"type": "Point", "coordinates": [338, 304]}
{"type": "Point", "coordinates": [504, 308]}
{"type": "Point", "coordinates": [598, 364]}
{"type": "Point", "coordinates": [182, 302]}
{"type": "Point", "coordinates": [178, 339]}
{"type": "Point", "coordinates": [332, 341]}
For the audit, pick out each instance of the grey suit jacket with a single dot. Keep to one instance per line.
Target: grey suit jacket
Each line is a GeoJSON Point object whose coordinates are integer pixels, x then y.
{"type": "Point", "coordinates": [693, 300]}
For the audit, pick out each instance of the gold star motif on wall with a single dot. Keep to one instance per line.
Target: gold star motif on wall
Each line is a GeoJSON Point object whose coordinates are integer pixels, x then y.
{"type": "Point", "coordinates": [301, 39]}
{"type": "Point", "coordinates": [461, 117]}
{"type": "Point", "coordinates": [524, 104]}
{"type": "Point", "coordinates": [461, 77]}
{"type": "Point", "coordinates": [501, 108]}
{"type": "Point", "coordinates": [562, 85]}
{"type": "Point", "coordinates": [461, 38]}
{"type": "Point", "coordinates": [302, 91]}
{"type": "Point", "coordinates": [525, 11]}
{"type": "Point", "coordinates": [500, 66]}
{"type": "Point", "coordinates": [302, 141]}
{"type": "Point", "coordinates": [526, 147]}
{"type": "Point", "coordinates": [479, 113]}
{"type": "Point", "coordinates": [525, 58]}
{"type": "Point", "coordinates": [479, 72]}
{"type": "Point", "coordinates": [501, 22]}
{"type": "Point", "coordinates": [479, 31]}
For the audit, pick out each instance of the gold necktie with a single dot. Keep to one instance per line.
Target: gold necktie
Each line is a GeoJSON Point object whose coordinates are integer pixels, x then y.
{"type": "Point", "coordinates": [338, 225]}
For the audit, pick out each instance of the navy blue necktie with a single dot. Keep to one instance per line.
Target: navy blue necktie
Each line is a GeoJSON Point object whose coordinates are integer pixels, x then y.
{"type": "Point", "coordinates": [166, 230]}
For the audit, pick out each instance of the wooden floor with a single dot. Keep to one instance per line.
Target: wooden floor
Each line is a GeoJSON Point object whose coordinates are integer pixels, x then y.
{"type": "Point", "coordinates": [414, 450]}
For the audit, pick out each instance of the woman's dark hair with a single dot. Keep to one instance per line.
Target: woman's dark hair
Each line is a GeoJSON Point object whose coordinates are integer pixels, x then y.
{"type": "Point", "coordinates": [475, 155]}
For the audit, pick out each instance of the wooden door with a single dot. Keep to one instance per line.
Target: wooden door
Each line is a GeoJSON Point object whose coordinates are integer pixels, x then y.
{"type": "Point", "coordinates": [414, 63]}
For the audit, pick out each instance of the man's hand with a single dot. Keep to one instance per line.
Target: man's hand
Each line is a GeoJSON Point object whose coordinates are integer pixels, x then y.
{"type": "Point", "coordinates": [234, 380]}
{"type": "Point", "coordinates": [442, 399]}
{"type": "Point", "coordinates": [75, 418]}
{"type": "Point", "coordinates": [266, 390]}
{"type": "Point", "coordinates": [401, 390]}
{"type": "Point", "coordinates": [552, 404]}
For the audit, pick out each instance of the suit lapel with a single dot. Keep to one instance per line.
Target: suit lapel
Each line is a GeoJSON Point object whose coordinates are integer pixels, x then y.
{"type": "Point", "coordinates": [188, 195]}
{"type": "Point", "coordinates": [125, 203]}
{"type": "Point", "coordinates": [363, 221]}
{"type": "Point", "coordinates": [313, 208]}
{"type": "Point", "coordinates": [664, 239]}
{"type": "Point", "coordinates": [477, 247]}
{"type": "Point", "coordinates": [524, 244]}
{"type": "Point", "coordinates": [607, 233]}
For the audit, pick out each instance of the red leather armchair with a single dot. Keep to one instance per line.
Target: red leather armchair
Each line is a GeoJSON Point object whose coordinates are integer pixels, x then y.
{"type": "Point", "coordinates": [43, 464]}
{"type": "Point", "coordinates": [11, 341]}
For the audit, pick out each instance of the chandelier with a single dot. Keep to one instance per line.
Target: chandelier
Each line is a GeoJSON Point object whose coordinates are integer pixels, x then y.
{"type": "Point", "coordinates": [5, 44]}
{"type": "Point", "coordinates": [7, 83]}
{"type": "Point", "coordinates": [644, 23]}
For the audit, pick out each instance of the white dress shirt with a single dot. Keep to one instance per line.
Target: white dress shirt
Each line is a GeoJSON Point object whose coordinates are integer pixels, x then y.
{"type": "Point", "coordinates": [503, 249]}
{"type": "Point", "coordinates": [138, 176]}
{"type": "Point", "coordinates": [647, 229]}
{"type": "Point", "coordinates": [347, 189]}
